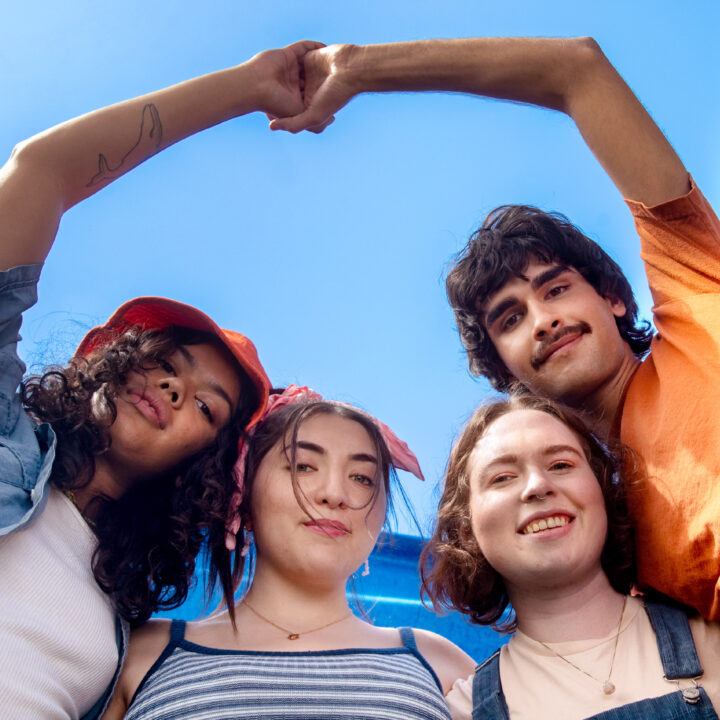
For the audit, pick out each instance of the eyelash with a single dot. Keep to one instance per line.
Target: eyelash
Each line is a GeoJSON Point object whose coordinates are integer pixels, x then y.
{"type": "Point", "coordinates": [204, 408]}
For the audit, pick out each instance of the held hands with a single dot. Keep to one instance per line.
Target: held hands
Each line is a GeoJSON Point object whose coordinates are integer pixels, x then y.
{"type": "Point", "coordinates": [279, 79]}
{"type": "Point", "coordinates": [324, 88]}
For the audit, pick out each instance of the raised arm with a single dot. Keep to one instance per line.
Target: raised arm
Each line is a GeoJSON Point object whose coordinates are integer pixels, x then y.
{"type": "Point", "coordinates": [569, 75]}
{"type": "Point", "coordinates": [54, 170]}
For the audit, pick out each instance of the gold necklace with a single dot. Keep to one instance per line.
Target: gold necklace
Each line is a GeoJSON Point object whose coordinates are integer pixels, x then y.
{"type": "Point", "coordinates": [70, 495]}
{"type": "Point", "coordinates": [607, 686]}
{"type": "Point", "coordinates": [290, 634]}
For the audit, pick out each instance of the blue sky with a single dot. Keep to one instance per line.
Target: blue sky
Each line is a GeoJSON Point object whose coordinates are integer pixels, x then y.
{"type": "Point", "coordinates": [330, 251]}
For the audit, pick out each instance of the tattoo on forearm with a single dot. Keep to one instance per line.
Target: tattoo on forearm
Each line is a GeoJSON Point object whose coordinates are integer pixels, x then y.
{"type": "Point", "coordinates": [148, 143]}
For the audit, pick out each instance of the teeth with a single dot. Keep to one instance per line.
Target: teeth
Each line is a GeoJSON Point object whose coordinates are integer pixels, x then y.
{"type": "Point", "coordinates": [546, 524]}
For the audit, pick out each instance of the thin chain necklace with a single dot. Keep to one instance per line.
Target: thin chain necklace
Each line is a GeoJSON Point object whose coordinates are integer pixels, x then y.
{"type": "Point", "coordinates": [608, 686]}
{"type": "Point", "coordinates": [70, 495]}
{"type": "Point", "coordinates": [290, 634]}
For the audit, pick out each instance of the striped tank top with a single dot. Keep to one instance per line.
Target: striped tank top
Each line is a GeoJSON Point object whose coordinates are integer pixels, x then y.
{"type": "Point", "coordinates": [193, 682]}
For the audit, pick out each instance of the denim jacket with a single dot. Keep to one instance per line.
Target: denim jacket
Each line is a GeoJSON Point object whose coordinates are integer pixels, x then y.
{"type": "Point", "coordinates": [27, 450]}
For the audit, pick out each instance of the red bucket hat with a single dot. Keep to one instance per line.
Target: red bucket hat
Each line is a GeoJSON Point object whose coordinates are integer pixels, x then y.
{"type": "Point", "coordinates": [155, 313]}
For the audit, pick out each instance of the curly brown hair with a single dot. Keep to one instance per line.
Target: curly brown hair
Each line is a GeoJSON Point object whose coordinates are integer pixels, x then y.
{"type": "Point", "coordinates": [456, 575]}
{"type": "Point", "coordinates": [148, 539]}
{"type": "Point", "coordinates": [509, 238]}
{"type": "Point", "coordinates": [227, 569]}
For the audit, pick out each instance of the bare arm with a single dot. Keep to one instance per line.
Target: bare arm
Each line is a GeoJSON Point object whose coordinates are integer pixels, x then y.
{"type": "Point", "coordinates": [447, 660]}
{"type": "Point", "coordinates": [146, 645]}
{"type": "Point", "coordinates": [56, 169]}
{"type": "Point", "coordinates": [569, 75]}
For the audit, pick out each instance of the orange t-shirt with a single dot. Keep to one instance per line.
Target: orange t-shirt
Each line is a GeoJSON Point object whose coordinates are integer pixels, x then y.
{"type": "Point", "coordinates": [671, 415]}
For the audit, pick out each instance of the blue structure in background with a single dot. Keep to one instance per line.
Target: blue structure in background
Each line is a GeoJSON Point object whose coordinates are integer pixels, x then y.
{"type": "Point", "coordinates": [390, 596]}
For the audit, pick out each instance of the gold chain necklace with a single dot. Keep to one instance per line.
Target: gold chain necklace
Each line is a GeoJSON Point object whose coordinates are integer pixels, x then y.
{"type": "Point", "coordinates": [70, 495]}
{"type": "Point", "coordinates": [607, 686]}
{"type": "Point", "coordinates": [290, 634]}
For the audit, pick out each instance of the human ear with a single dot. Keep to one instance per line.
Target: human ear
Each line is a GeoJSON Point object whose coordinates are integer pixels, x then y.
{"type": "Point", "coordinates": [616, 305]}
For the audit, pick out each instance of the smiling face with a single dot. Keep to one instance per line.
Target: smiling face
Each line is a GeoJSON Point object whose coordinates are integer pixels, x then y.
{"type": "Point", "coordinates": [336, 472]}
{"type": "Point", "coordinates": [537, 510]}
{"type": "Point", "coordinates": [170, 412]}
{"type": "Point", "coordinates": [555, 334]}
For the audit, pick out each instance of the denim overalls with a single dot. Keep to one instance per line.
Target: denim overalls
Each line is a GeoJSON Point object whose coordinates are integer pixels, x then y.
{"type": "Point", "coordinates": [679, 661]}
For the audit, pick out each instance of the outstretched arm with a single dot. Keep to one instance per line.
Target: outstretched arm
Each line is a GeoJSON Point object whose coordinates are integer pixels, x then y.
{"type": "Point", "coordinates": [54, 170]}
{"type": "Point", "coordinates": [569, 75]}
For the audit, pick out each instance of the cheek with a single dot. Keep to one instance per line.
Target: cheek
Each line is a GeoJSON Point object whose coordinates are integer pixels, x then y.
{"type": "Point", "coordinates": [484, 520]}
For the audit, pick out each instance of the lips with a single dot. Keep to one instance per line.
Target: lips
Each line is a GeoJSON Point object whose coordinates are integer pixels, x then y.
{"type": "Point", "coordinates": [150, 406]}
{"type": "Point", "coordinates": [333, 528]}
{"type": "Point", "coordinates": [551, 345]}
{"type": "Point", "coordinates": [547, 520]}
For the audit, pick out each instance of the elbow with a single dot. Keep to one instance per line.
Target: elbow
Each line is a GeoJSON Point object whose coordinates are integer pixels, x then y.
{"type": "Point", "coordinates": [586, 67]}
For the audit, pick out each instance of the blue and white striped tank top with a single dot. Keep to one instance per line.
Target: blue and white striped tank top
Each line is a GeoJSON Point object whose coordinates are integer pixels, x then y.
{"type": "Point", "coordinates": [193, 682]}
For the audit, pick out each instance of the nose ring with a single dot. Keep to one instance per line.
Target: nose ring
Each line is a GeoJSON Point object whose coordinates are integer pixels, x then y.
{"type": "Point", "coordinates": [541, 497]}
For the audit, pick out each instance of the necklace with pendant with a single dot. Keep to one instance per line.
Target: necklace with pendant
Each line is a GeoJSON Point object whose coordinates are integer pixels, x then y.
{"type": "Point", "coordinates": [608, 687]}
{"type": "Point", "coordinates": [290, 634]}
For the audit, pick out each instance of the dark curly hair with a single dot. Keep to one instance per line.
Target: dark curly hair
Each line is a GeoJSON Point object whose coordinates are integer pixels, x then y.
{"type": "Point", "coordinates": [227, 569]}
{"type": "Point", "coordinates": [148, 538]}
{"type": "Point", "coordinates": [456, 575]}
{"type": "Point", "coordinates": [510, 237]}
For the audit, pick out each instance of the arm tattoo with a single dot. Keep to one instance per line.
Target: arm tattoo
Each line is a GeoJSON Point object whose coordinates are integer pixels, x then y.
{"type": "Point", "coordinates": [148, 143]}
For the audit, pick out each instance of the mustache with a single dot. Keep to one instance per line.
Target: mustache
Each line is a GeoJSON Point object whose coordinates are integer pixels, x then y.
{"type": "Point", "coordinates": [540, 355]}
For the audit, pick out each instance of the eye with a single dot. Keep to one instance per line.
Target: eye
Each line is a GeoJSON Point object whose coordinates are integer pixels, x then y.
{"type": "Point", "coordinates": [510, 321]}
{"type": "Point", "coordinates": [363, 480]}
{"type": "Point", "coordinates": [557, 290]}
{"type": "Point", "coordinates": [500, 478]}
{"type": "Point", "coordinates": [561, 466]}
{"type": "Point", "coordinates": [166, 366]}
{"type": "Point", "coordinates": [205, 410]}
{"type": "Point", "coordinates": [303, 467]}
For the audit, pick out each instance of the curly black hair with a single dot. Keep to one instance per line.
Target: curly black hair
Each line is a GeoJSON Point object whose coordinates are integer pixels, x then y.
{"type": "Point", "coordinates": [510, 237]}
{"type": "Point", "coordinates": [149, 538]}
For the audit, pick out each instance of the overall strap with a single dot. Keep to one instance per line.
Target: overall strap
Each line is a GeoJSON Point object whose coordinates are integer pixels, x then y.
{"type": "Point", "coordinates": [408, 638]}
{"type": "Point", "coordinates": [675, 641]}
{"type": "Point", "coordinates": [487, 693]}
{"type": "Point", "coordinates": [177, 631]}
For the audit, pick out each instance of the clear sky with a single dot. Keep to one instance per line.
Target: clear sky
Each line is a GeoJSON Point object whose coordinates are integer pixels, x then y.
{"type": "Point", "coordinates": [330, 251]}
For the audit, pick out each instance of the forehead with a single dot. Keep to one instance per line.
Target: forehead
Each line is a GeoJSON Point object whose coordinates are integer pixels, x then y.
{"type": "Point", "coordinates": [336, 433]}
{"type": "Point", "coordinates": [521, 433]}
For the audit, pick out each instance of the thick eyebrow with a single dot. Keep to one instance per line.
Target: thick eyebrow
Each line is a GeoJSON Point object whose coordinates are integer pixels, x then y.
{"type": "Point", "coordinates": [313, 447]}
{"type": "Point", "coordinates": [536, 283]}
{"type": "Point", "coordinates": [215, 387]}
{"type": "Point", "coordinates": [499, 309]}
{"type": "Point", "coordinates": [547, 276]}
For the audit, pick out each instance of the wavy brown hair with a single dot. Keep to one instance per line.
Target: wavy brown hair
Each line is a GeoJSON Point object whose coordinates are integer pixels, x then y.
{"type": "Point", "coordinates": [148, 538]}
{"type": "Point", "coordinates": [455, 573]}
{"type": "Point", "coordinates": [510, 237]}
{"type": "Point", "coordinates": [227, 569]}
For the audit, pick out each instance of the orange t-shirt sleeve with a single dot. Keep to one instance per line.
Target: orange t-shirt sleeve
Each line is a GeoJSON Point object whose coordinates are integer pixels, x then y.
{"type": "Point", "coordinates": [671, 414]}
{"type": "Point", "coordinates": [680, 245]}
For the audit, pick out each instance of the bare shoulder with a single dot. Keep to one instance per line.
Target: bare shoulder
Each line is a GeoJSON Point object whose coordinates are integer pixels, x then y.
{"type": "Point", "coordinates": [146, 646]}
{"type": "Point", "coordinates": [449, 662]}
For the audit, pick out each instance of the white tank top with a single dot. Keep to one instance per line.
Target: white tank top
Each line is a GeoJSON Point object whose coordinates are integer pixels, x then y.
{"type": "Point", "coordinates": [57, 628]}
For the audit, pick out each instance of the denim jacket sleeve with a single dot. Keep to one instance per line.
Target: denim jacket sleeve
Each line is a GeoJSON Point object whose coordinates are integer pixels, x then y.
{"type": "Point", "coordinates": [27, 450]}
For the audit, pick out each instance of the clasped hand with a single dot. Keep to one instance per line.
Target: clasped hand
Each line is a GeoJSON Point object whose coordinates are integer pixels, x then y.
{"type": "Point", "coordinates": [304, 85]}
